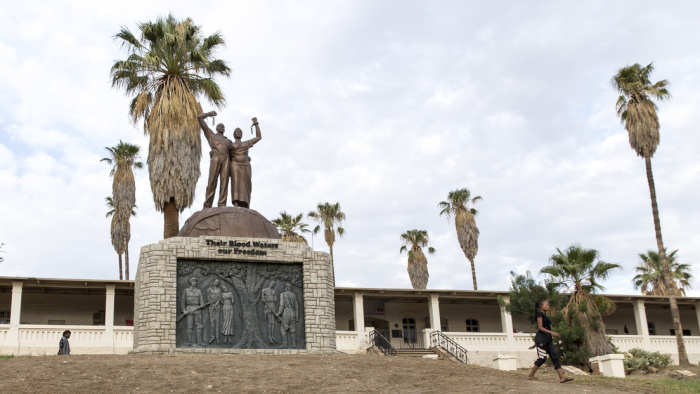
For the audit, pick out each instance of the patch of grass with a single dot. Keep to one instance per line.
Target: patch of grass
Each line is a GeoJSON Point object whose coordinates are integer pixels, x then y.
{"type": "Point", "coordinates": [676, 386]}
{"type": "Point", "coordinates": [6, 356]}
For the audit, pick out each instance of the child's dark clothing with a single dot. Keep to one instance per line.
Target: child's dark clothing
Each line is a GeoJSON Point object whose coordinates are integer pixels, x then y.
{"type": "Point", "coordinates": [64, 347]}
{"type": "Point", "coordinates": [544, 343]}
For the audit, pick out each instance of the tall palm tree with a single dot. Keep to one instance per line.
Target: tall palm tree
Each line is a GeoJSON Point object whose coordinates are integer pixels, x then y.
{"type": "Point", "coordinates": [457, 205]}
{"type": "Point", "coordinates": [637, 112]}
{"type": "Point", "coordinates": [650, 273]}
{"type": "Point", "coordinates": [579, 272]}
{"type": "Point", "coordinates": [117, 231]}
{"type": "Point", "coordinates": [168, 67]}
{"type": "Point", "coordinates": [123, 159]}
{"type": "Point", "coordinates": [331, 217]}
{"type": "Point", "coordinates": [414, 241]}
{"type": "Point", "coordinates": [290, 226]}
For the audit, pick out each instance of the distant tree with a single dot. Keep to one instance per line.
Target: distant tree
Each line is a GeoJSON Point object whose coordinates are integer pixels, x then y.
{"type": "Point", "coordinates": [289, 227]}
{"type": "Point", "coordinates": [414, 241]}
{"type": "Point", "coordinates": [2, 251]}
{"type": "Point", "coordinates": [168, 67]}
{"type": "Point", "coordinates": [637, 112]}
{"type": "Point", "coordinates": [110, 204]}
{"type": "Point", "coordinates": [117, 231]}
{"type": "Point", "coordinates": [331, 217]}
{"type": "Point", "coordinates": [579, 271]}
{"type": "Point", "coordinates": [123, 159]}
{"type": "Point", "coordinates": [650, 274]}
{"type": "Point", "coordinates": [457, 205]}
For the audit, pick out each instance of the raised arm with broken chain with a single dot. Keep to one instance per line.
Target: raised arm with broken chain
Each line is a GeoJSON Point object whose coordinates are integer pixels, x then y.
{"type": "Point", "coordinates": [208, 134]}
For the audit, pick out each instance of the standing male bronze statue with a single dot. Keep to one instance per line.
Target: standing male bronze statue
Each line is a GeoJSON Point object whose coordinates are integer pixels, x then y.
{"type": "Point", "coordinates": [239, 167]}
{"type": "Point", "coordinates": [219, 160]}
{"type": "Point", "coordinates": [228, 159]}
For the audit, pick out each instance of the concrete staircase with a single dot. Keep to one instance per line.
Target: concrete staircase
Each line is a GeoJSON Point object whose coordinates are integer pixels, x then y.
{"type": "Point", "coordinates": [424, 353]}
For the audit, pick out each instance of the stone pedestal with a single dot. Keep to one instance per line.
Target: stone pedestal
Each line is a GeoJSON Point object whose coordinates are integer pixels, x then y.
{"type": "Point", "coordinates": [243, 267]}
{"type": "Point", "coordinates": [611, 365]}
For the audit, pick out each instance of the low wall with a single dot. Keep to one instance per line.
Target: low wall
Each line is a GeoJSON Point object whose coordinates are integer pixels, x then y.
{"type": "Point", "coordinates": [41, 340]}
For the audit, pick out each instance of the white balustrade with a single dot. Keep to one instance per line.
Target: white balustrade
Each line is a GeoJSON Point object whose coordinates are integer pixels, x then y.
{"type": "Point", "coordinates": [479, 340]}
{"type": "Point", "coordinates": [523, 341]}
{"type": "Point", "coordinates": [43, 339]}
{"type": "Point", "coordinates": [627, 342]}
{"type": "Point", "coordinates": [346, 340]}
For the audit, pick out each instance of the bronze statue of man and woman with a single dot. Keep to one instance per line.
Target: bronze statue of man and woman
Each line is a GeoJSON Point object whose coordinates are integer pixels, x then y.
{"type": "Point", "coordinates": [229, 162]}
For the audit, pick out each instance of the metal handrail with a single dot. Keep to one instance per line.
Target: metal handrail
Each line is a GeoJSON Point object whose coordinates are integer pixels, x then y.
{"type": "Point", "coordinates": [383, 344]}
{"type": "Point", "coordinates": [438, 339]}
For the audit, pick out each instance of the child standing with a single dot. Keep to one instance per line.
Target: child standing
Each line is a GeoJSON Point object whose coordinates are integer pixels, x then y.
{"type": "Point", "coordinates": [63, 345]}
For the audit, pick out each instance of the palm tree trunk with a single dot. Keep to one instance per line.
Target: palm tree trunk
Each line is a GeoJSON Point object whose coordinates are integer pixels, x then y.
{"type": "Point", "coordinates": [126, 247]}
{"type": "Point", "coordinates": [473, 273]}
{"type": "Point", "coordinates": [682, 354]}
{"type": "Point", "coordinates": [120, 267]}
{"type": "Point", "coordinates": [172, 219]}
{"type": "Point", "coordinates": [126, 258]}
{"type": "Point", "coordinates": [332, 262]}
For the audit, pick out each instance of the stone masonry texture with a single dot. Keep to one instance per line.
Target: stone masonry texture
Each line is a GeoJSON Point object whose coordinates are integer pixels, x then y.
{"type": "Point", "coordinates": [155, 292]}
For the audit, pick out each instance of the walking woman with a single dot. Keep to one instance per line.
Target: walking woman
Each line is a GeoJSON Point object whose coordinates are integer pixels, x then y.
{"type": "Point", "coordinates": [544, 342]}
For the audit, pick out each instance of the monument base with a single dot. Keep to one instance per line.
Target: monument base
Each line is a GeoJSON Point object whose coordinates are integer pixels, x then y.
{"type": "Point", "coordinates": [232, 295]}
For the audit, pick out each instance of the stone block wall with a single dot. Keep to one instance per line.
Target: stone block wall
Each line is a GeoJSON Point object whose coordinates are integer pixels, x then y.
{"type": "Point", "coordinates": [155, 295]}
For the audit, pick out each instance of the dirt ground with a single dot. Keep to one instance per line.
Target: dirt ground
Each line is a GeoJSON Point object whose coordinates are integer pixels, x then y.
{"type": "Point", "coordinates": [276, 374]}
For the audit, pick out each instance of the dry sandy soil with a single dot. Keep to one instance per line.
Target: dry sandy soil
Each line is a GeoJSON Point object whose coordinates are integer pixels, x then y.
{"type": "Point", "coordinates": [275, 374]}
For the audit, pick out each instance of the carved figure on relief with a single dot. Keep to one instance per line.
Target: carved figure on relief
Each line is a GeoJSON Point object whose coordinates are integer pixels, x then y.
{"type": "Point", "coordinates": [192, 303]}
{"type": "Point", "coordinates": [227, 329]}
{"type": "Point", "coordinates": [214, 299]}
{"type": "Point", "coordinates": [289, 313]}
{"type": "Point", "coordinates": [269, 299]}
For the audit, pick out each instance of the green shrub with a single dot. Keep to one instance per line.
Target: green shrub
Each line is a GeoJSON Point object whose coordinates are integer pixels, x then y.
{"type": "Point", "coordinates": [642, 360]}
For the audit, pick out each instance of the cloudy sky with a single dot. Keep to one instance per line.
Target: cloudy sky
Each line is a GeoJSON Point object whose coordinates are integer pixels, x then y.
{"type": "Point", "coordinates": [382, 106]}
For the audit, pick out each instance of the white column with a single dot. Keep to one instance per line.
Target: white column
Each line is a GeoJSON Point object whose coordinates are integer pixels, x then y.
{"type": "Point", "coordinates": [697, 312]}
{"type": "Point", "coordinates": [109, 317]}
{"type": "Point", "coordinates": [358, 310]}
{"type": "Point", "coordinates": [507, 326]}
{"type": "Point", "coordinates": [434, 312]}
{"type": "Point", "coordinates": [640, 319]}
{"type": "Point", "coordinates": [15, 313]}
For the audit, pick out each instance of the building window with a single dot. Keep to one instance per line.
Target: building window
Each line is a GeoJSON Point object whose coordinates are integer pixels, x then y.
{"type": "Point", "coordinates": [98, 318]}
{"type": "Point", "coordinates": [652, 328]}
{"type": "Point", "coordinates": [444, 327]}
{"type": "Point", "coordinates": [472, 325]}
{"type": "Point", "coordinates": [57, 322]}
{"type": "Point", "coordinates": [351, 325]}
{"type": "Point", "coordinates": [4, 317]}
{"type": "Point", "coordinates": [685, 332]}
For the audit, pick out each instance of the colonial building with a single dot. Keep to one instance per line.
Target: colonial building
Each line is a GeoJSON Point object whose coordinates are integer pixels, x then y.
{"type": "Point", "coordinates": [34, 312]}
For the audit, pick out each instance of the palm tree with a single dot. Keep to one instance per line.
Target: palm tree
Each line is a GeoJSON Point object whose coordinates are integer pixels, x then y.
{"type": "Point", "coordinates": [457, 205]}
{"type": "Point", "coordinates": [331, 217]}
{"type": "Point", "coordinates": [168, 67]}
{"type": "Point", "coordinates": [638, 113]}
{"type": "Point", "coordinates": [123, 159]}
{"type": "Point", "coordinates": [117, 231]}
{"type": "Point", "coordinates": [579, 271]}
{"type": "Point", "coordinates": [417, 262]}
{"type": "Point", "coordinates": [289, 227]}
{"type": "Point", "coordinates": [650, 273]}
{"type": "Point", "coordinates": [110, 204]}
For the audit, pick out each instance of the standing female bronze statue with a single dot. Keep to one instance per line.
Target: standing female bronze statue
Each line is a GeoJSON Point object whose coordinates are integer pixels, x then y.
{"type": "Point", "coordinates": [239, 167]}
